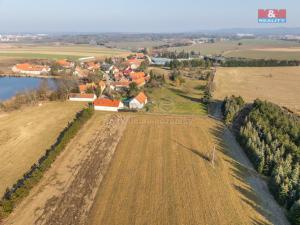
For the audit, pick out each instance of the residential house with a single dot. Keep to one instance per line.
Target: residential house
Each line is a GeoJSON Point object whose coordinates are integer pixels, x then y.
{"type": "Point", "coordinates": [66, 63]}
{"type": "Point", "coordinates": [83, 88]}
{"type": "Point", "coordinates": [31, 69]}
{"type": "Point", "coordinates": [139, 101]}
{"type": "Point", "coordinates": [140, 82]}
{"type": "Point", "coordinates": [140, 55]}
{"type": "Point", "coordinates": [137, 75]}
{"type": "Point", "coordinates": [104, 104]}
{"type": "Point", "coordinates": [82, 97]}
{"type": "Point", "coordinates": [121, 85]}
{"type": "Point", "coordinates": [92, 66]}
{"type": "Point", "coordinates": [81, 73]}
{"type": "Point", "coordinates": [134, 63]}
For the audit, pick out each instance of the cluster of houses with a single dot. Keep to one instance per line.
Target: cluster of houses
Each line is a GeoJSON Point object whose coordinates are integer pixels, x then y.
{"type": "Point", "coordinates": [116, 77]}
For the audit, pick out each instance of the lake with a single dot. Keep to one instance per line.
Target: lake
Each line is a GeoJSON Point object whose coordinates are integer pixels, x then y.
{"type": "Point", "coordinates": [10, 86]}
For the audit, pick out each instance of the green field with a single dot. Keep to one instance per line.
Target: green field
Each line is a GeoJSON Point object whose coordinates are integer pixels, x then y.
{"type": "Point", "coordinates": [185, 99]}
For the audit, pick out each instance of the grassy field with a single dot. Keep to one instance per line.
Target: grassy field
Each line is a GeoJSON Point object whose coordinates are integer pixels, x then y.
{"type": "Point", "coordinates": [278, 85]}
{"type": "Point", "coordinates": [161, 174]}
{"type": "Point", "coordinates": [185, 99]}
{"type": "Point", "coordinates": [58, 52]}
{"type": "Point", "coordinates": [256, 49]}
{"type": "Point", "coordinates": [26, 134]}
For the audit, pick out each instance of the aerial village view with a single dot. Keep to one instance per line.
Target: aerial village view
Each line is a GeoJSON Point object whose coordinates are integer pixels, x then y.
{"type": "Point", "coordinates": [117, 85]}
{"type": "Point", "coordinates": [149, 113]}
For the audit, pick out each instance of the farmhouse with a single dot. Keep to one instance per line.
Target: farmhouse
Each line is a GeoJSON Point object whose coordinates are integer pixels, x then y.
{"type": "Point", "coordinates": [139, 101]}
{"type": "Point", "coordinates": [82, 97]}
{"type": "Point", "coordinates": [27, 68]}
{"type": "Point", "coordinates": [104, 104]}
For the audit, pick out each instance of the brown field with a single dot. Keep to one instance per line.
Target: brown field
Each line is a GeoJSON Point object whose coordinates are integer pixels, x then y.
{"type": "Point", "coordinates": [250, 48]}
{"type": "Point", "coordinates": [68, 188]}
{"type": "Point", "coordinates": [280, 85]}
{"type": "Point", "coordinates": [26, 134]}
{"type": "Point", "coordinates": [161, 174]}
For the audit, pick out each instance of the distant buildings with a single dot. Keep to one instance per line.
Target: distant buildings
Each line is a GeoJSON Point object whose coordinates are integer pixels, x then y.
{"type": "Point", "coordinates": [160, 61]}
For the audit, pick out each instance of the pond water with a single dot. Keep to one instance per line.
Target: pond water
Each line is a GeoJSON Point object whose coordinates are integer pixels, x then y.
{"type": "Point", "coordinates": [10, 86]}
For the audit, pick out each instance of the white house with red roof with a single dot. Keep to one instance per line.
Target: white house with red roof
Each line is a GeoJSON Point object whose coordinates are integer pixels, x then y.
{"type": "Point", "coordinates": [82, 97]}
{"type": "Point", "coordinates": [27, 68]}
{"type": "Point", "coordinates": [139, 101]}
{"type": "Point", "coordinates": [105, 104]}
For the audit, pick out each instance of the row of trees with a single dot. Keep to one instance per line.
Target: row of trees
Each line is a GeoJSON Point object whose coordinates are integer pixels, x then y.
{"type": "Point", "coordinates": [231, 106]}
{"type": "Point", "coordinates": [178, 55]}
{"type": "Point", "coordinates": [271, 138]}
{"type": "Point", "coordinates": [177, 64]}
{"type": "Point", "coordinates": [259, 63]}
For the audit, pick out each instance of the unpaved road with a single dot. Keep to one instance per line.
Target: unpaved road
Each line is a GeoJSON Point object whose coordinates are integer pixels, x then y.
{"type": "Point", "coordinates": [67, 190]}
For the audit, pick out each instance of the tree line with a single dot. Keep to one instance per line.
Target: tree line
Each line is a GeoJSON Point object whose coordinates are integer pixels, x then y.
{"type": "Point", "coordinates": [258, 63]}
{"type": "Point", "coordinates": [178, 55]}
{"type": "Point", "coordinates": [271, 139]}
{"type": "Point", "coordinates": [177, 64]}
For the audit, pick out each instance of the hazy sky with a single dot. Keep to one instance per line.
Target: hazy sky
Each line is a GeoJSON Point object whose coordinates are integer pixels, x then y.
{"type": "Point", "coordinates": [137, 15]}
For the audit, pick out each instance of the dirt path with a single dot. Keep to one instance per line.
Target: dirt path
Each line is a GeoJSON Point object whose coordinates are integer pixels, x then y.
{"type": "Point", "coordinates": [269, 205]}
{"type": "Point", "coordinates": [67, 190]}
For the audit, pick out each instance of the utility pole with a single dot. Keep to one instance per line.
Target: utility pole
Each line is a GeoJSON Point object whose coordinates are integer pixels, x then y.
{"type": "Point", "coordinates": [213, 156]}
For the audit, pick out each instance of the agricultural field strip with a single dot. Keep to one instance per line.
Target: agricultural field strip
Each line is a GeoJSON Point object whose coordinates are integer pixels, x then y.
{"type": "Point", "coordinates": [20, 135]}
{"type": "Point", "coordinates": [67, 189]}
{"type": "Point", "coordinates": [164, 177]}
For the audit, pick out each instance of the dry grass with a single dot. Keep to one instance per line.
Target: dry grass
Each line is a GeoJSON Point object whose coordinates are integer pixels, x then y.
{"type": "Point", "coordinates": [161, 174]}
{"type": "Point", "coordinates": [279, 85]}
{"type": "Point", "coordinates": [26, 134]}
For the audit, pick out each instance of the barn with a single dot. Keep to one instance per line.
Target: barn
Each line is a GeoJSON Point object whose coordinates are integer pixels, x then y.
{"type": "Point", "coordinates": [104, 104]}
{"type": "Point", "coordinates": [82, 97]}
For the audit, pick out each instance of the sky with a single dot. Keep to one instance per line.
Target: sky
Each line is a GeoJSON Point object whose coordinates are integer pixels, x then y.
{"type": "Point", "coordinates": [44, 16]}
